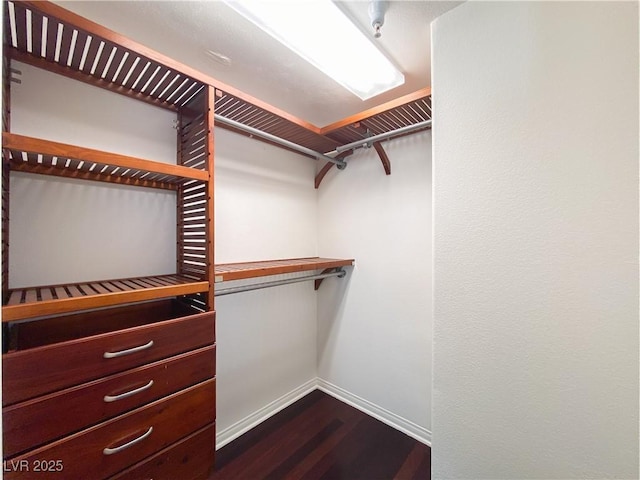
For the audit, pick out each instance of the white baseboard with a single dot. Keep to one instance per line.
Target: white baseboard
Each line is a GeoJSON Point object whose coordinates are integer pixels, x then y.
{"type": "Point", "coordinates": [396, 421]}
{"type": "Point", "coordinates": [234, 431]}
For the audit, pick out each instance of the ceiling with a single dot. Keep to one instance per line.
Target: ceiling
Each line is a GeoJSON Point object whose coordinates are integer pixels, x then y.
{"type": "Point", "coordinates": [261, 66]}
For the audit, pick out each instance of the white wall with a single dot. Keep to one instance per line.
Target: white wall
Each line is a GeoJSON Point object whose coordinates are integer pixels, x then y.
{"type": "Point", "coordinates": [374, 330]}
{"type": "Point", "coordinates": [536, 241]}
{"type": "Point", "coordinates": [265, 209]}
{"type": "Point", "coordinates": [65, 230]}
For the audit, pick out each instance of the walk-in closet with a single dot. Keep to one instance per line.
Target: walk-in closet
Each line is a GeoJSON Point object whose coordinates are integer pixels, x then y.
{"type": "Point", "coordinates": [222, 260]}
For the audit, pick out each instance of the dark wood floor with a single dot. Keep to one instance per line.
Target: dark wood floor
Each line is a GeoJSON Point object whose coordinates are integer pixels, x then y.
{"type": "Point", "coordinates": [319, 437]}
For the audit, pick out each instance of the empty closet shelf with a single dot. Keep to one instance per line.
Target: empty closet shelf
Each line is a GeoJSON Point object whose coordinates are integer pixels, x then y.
{"type": "Point", "coordinates": [34, 155]}
{"type": "Point", "coordinates": [31, 302]}
{"type": "Point", "coordinates": [239, 271]}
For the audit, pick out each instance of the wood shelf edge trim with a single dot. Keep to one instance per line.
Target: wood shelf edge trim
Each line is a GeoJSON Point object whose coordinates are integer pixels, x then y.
{"type": "Point", "coordinates": [422, 93]}
{"type": "Point", "coordinates": [14, 141]}
{"type": "Point", "coordinates": [31, 310]}
{"type": "Point", "coordinates": [258, 271]}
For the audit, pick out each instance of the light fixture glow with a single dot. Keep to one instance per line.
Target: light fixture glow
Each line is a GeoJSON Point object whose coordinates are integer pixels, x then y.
{"type": "Point", "coordinates": [320, 32]}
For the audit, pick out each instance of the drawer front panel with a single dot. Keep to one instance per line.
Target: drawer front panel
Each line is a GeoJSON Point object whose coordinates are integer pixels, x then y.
{"type": "Point", "coordinates": [41, 420]}
{"type": "Point", "coordinates": [29, 373]}
{"type": "Point", "coordinates": [106, 449]}
{"type": "Point", "coordinates": [189, 459]}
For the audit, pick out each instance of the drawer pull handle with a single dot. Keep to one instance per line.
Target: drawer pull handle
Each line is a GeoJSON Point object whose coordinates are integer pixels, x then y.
{"type": "Point", "coordinates": [121, 353]}
{"type": "Point", "coordinates": [115, 398]}
{"type": "Point", "coordinates": [111, 451]}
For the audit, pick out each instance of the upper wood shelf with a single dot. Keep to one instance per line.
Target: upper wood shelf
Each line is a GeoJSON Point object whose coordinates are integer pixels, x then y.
{"type": "Point", "coordinates": [35, 155]}
{"type": "Point", "coordinates": [47, 36]}
{"type": "Point", "coordinates": [32, 302]}
{"type": "Point", "coordinates": [246, 270]}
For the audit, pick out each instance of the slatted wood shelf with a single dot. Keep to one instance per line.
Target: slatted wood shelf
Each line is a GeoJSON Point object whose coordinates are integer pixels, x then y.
{"type": "Point", "coordinates": [47, 36]}
{"type": "Point", "coordinates": [32, 302]}
{"type": "Point", "coordinates": [33, 155]}
{"type": "Point", "coordinates": [241, 271]}
{"type": "Point", "coordinates": [255, 116]}
{"type": "Point", "coordinates": [402, 112]}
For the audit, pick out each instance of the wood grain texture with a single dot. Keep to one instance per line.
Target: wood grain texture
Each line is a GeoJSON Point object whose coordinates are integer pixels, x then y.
{"type": "Point", "coordinates": [32, 423]}
{"type": "Point", "coordinates": [172, 418]}
{"type": "Point", "coordinates": [21, 143]}
{"type": "Point", "coordinates": [32, 302]}
{"type": "Point", "coordinates": [238, 271]}
{"type": "Point", "coordinates": [189, 459]}
{"type": "Point", "coordinates": [319, 437]}
{"type": "Point", "coordinates": [41, 370]}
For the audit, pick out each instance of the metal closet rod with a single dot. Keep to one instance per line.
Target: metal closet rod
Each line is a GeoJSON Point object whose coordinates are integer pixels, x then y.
{"type": "Point", "coordinates": [278, 140]}
{"type": "Point", "coordinates": [245, 288]}
{"type": "Point", "coordinates": [382, 136]}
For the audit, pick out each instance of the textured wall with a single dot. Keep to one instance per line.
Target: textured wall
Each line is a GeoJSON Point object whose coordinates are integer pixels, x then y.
{"type": "Point", "coordinates": [374, 331]}
{"type": "Point", "coordinates": [536, 241]}
{"type": "Point", "coordinates": [265, 209]}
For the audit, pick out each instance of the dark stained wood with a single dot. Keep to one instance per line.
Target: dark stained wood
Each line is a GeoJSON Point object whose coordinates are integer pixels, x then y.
{"type": "Point", "coordinates": [319, 437]}
{"type": "Point", "coordinates": [5, 228]}
{"type": "Point", "coordinates": [62, 328]}
{"type": "Point", "coordinates": [328, 166]}
{"type": "Point", "coordinates": [318, 282]}
{"type": "Point", "coordinates": [386, 164]}
{"type": "Point", "coordinates": [32, 423]}
{"type": "Point", "coordinates": [189, 459]}
{"type": "Point", "coordinates": [172, 418]}
{"type": "Point", "coordinates": [37, 371]}
{"type": "Point", "coordinates": [210, 195]}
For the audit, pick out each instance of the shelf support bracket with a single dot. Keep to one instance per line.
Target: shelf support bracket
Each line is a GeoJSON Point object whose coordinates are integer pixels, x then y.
{"type": "Point", "coordinates": [340, 271]}
{"type": "Point", "coordinates": [386, 164]}
{"type": "Point", "coordinates": [328, 166]}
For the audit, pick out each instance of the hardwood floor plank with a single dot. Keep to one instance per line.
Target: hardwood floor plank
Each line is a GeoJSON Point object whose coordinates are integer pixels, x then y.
{"type": "Point", "coordinates": [319, 437]}
{"type": "Point", "coordinates": [300, 454]}
{"type": "Point", "coordinates": [412, 463]}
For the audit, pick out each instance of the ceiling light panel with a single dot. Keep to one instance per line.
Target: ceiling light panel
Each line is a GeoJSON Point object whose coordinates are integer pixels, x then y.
{"type": "Point", "coordinates": [321, 33]}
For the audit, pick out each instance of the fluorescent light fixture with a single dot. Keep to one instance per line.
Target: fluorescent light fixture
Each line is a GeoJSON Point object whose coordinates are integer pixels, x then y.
{"type": "Point", "coordinates": [320, 32]}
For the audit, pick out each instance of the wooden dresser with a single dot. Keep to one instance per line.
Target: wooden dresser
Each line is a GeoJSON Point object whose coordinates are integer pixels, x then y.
{"type": "Point", "coordinates": [111, 378]}
{"type": "Point", "coordinates": [122, 388]}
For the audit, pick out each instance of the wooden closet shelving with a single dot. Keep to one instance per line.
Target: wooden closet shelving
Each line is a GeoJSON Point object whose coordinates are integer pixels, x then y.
{"type": "Point", "coordinates": [246, 270]}
{"type": "Point", "coordinates": [112, 377]}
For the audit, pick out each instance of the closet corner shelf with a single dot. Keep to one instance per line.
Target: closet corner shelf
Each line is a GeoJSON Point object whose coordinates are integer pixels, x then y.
{"type": "Point", "coordinates": [242, 271]}
{"type": "Point", "coordinates": [34, 155]}
{"type": "Point", "coordinates": [32, 302]}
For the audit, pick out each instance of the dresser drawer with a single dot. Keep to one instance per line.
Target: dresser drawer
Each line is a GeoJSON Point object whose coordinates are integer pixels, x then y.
{"type": "Point", "coordinates": [110, 447]}
{"type": "Point", "coordinates": [48, 368]}
{"type": "Point", "coordinates": [43, 419]}
{"type": "Point", "coordinates": [190, 459]}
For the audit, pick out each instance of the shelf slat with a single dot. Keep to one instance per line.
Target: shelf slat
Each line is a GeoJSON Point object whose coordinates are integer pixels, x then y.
{"type": "Point", "coordinates": [39, 301]}
{"type": "Point", "coordinates": [240, 271]}
{"type": "Point", "coordinates": [90, 164]}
